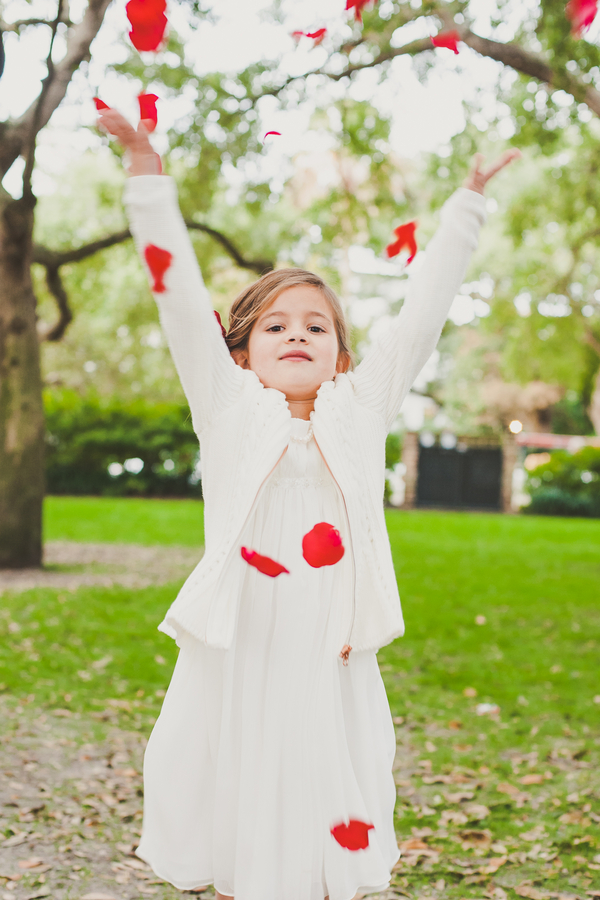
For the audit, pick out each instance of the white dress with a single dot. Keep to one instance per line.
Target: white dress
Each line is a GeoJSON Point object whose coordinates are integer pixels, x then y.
{"type": "Point", "coordinates": [261, 749]}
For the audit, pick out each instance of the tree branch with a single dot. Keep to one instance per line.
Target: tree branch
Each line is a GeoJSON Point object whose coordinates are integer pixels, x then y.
{"type": "Point", "coordinates": [29, 153]}
{"type": "Point", "coordinates": [52, 260]}
{"type": "Point", "coordinates": [65, 316]}
{"type": "Point", "coordinates": [25, 23]}
{"type": "Point", "coordinates": [15, 135]}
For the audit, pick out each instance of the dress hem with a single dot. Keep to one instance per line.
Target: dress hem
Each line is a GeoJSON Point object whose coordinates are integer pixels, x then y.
{"type": "Point", "coordinates": [210, 881]}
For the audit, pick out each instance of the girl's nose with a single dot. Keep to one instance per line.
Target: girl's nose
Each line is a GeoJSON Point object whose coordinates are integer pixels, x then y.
{"type": "Point", "coordinates": [300, 338]}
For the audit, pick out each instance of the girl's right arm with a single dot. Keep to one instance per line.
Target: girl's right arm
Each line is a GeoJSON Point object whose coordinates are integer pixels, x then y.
{"type": "Point", "coordinates": [209, 376]}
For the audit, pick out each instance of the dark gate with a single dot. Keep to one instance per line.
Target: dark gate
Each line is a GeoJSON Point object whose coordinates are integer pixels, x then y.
{"type": "Point", "coordinates": [454, 478]}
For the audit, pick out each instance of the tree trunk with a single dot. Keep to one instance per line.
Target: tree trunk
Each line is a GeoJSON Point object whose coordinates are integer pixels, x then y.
{"type": "Point", "coordinates": [594, 407]}
{"type": "Point", "coordinates": [21, 410]}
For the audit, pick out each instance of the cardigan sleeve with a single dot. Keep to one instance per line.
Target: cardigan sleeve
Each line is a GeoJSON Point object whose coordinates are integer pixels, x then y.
{"type": "Point", "coordinates": [209, 376]}
{"type": "Point", "coordinates": [386, 374]}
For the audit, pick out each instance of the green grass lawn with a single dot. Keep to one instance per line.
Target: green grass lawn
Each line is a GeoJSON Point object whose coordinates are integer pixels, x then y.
{"type": "Point", "coordinates": [499, 610]}
{"type": "Point", "coordinates": [130, 520]}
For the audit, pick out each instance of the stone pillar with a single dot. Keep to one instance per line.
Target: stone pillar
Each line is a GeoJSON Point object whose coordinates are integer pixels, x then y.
{"type": "Point", "coordinates": [410, 458]}
{"type": "Point", "coordinates": [510, 455]}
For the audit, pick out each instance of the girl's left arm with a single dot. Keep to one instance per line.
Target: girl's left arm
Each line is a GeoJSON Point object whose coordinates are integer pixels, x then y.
{"type": "Point", "coordinates": [386, 374]}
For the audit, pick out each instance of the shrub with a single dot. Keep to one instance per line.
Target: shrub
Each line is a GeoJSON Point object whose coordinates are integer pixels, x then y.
{"type": "Point", "coordinates": [568, 485]}
{"type": "Point", "coordinates": [151, 449]}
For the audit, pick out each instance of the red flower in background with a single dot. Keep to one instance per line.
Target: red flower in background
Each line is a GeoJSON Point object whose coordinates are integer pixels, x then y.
{"type": "Point", "coordinates": [218, 318]}
{"type": "Point", "coordinates": [447, 39]}
{"type": "Point", "coordinates": [353, 836]}
{"type": "Point", "coordinates": [100, 104]}
{"type": "Point", "coordinates": [581, 14]}
{"type": "Point", "coordinates": [148, 23]}
{"type": "Point", "coordinates": [147, 104]}
{"type": "Point", "coordinates": [322, 546]}
{"type": "Point", "coordinates": [264, 564]}
{"type": "Point", "coordinates": [158, 261]}
{"type": "Point", "coordinates": [357, 6]}
{"type": "Point", "coordinates": [405, 237]}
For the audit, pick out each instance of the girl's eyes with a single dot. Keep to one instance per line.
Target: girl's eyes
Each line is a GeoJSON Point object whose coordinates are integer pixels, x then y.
{"type": "Point", "coordinates": [316, 329]}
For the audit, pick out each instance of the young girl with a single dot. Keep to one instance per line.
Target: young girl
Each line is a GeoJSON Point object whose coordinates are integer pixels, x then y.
{"type": "Point", "coordinates": [269, 770]}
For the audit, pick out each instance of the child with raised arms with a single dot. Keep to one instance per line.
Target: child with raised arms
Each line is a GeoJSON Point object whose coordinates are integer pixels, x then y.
{"type": "Point", "coordinates": [269, 770]}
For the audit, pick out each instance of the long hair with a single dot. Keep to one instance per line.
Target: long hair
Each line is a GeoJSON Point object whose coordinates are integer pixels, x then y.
{"type": "Point", "coordinates": [248, 306]}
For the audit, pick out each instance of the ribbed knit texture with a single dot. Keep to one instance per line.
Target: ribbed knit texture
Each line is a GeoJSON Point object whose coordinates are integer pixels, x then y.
{"type": "Point", "coordinates": [244, 428]}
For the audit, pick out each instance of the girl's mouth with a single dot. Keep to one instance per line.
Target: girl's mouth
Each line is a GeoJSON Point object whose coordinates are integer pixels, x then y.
{"type": "Point", "coordinates": [297, 354]}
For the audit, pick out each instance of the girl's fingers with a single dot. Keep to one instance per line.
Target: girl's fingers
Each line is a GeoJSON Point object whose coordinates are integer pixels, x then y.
{"type": "Point", "coordinates": [476, 164]}
{"type": "Point", "coordinates": [504, 160]}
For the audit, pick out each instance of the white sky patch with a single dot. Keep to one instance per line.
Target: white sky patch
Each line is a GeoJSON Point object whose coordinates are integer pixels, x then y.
{"type": "Point", "coordinates": [424, 116]}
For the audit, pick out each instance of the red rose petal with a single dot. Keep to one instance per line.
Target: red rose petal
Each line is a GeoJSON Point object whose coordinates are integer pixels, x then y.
{"type": "Point", "coordinates": [581, 14]}
{"type": "Point", "coordinates": [100, 104]}
{"type": "Point", "coordinates": [147, 104]}
{"type": "Point", "coordinates": [405, 237]}
{"type": "Point", "coordinates": [148, 40]}
{"type": "Point", "coordinates": [357, 6]}
{"type": "Point", "coordinates": [317, 36]}
{"type": "Point", "coordinates": [353, 836]}
{"type": "Point", "coordinates": [447, 39]}
{"type": "Point", "coordinates": [264, 564]}
{"type": "Point", "coordinates": [297, 35]}
{"type": "Point", "coordinates": [218, 318]}
{"type": "Point", "coordinates": [272, 132]}
{"type": "Point", "coordinates": [158, 261]}
{"type": "Point", "coordinates": [322, 546]}
{"type": "Point", "coordinates": [148, 23]}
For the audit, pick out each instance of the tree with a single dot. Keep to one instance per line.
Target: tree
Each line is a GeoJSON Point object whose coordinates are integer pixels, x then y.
{"type": "Point", "coordinates": [537, 46]}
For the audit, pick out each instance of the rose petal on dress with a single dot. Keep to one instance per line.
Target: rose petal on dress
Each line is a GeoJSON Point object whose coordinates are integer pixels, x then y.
{"type": "Point", "coordinates": [581, 14]}
{"type": "Point", "coordinates": [353, 836]}
{"type": "Point", "coordinates": [264, 564]}
{"type": "Point", "coordinates": [447, 39]}
{"type": "Point", "coordinates": [322, 546]}
{"type": "Point", "coordinates": [100, 104]}
{"type": "Point", "coordinates": [405, 237]}
{"type": "Point", "coordinates": [148, 111]}
{"type": "Point", "coordinates": [158, 261]}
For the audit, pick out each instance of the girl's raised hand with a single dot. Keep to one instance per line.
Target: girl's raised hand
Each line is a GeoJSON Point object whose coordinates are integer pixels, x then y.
{"type": "Point", "coordinates": [478, 177]}
{"type": "Point", "coordinates": [143, 160]}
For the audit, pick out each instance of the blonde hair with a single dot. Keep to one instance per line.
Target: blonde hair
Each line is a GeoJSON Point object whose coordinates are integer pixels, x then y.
{"type": "Point", "coordinates": [248, 307]}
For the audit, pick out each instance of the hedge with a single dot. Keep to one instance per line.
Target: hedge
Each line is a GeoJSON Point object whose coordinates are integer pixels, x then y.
{"type": "Point", "coordinates": [567, 485]}
{"type": "Point", "coordinates": [151, 449]}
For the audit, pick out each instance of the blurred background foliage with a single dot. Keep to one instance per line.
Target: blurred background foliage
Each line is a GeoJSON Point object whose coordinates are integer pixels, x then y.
{"type": "Point", "coordinates": [532, 320]}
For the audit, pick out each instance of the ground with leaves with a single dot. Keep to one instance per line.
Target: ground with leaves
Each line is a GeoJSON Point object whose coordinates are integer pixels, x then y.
{"type": "Point", "coordinates": [494, 690]}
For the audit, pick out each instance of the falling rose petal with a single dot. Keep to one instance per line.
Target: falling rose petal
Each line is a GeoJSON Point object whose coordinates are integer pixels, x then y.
{"type": "Point", "coordinates": [264, 564]}
{"type": "Point", "coordinates": [100, 104]}
{"type": "Point", "coordinates": [317, 36]}
{"type": "Point", "coordinates": [148, 23]}
{"type": "Point", "coordinates": [447, 39]}
{"type": "Point", "coordinates": [297, 35]}
{"type": "Point", "coordinates": [357, 6]}
{"type": "Point", "coordinates": [278, 133]}
{"type": "Point", "coordinates": [322, 546]}
{"type": "Point", "coordinates": [405, 237]}
{"type": "Point", "coordinates": [158, 261]}
{"type": "Point", "coordinates": [148, 40]}
{"type": "Point", "coordinates": [147, 104]}
{"type": "Point", "coordinates": [353, 836]}
{"type": "Point", "coordinates": [218, 318]}
{"type": "Point", "coordinates": [581, 14]}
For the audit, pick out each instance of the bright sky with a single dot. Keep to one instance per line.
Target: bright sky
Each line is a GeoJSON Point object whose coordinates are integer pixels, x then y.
{"type": "Point", "coordinates": [424, 117]}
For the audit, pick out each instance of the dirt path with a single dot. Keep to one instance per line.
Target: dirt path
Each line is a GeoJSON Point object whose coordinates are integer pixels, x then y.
{"type": "Point", "coordinates": [70, 565]}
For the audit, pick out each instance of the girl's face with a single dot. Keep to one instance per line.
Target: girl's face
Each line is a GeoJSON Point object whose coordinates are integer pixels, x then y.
{"type": "Point", "coordinates": [293, 346]}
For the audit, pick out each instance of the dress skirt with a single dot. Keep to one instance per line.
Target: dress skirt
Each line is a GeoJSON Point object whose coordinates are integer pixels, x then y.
{"type": "Point", "coordinates": [260, 750]}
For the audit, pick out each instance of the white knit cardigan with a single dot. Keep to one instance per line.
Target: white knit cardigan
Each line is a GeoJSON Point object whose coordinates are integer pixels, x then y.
{"type": "Point", "coordinates": [244, 428]}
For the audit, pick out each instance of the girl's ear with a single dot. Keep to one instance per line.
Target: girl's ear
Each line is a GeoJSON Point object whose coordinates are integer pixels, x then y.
{"type": "Point", "coordinates": [241, 358]}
